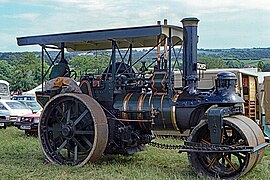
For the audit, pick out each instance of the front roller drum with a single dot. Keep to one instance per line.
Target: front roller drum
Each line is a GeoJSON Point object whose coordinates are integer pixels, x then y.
{"type": "Point", "coordinates": [237, 131]}
{"type": "Point", "coordinates": [73, 129]}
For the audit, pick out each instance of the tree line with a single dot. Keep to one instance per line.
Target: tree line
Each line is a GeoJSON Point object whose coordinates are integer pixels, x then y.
{"type": "Point", "coordinates": [23, 72]}
{"type": "Point", "coordinates": [237, 54]}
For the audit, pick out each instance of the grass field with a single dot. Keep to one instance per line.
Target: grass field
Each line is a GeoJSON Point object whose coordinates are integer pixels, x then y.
{"type": "Point", "coordinates": [21, 158]}
{"type": "Point", "coordinates": [253, 62]}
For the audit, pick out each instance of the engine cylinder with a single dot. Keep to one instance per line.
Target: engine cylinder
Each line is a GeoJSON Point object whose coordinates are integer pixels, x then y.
{"type": "Point", "coordinates": [225, 87]}
{"type": "Point", "coordinates": [225, 83]}
{"type": "Point", "coordinates": [137, 106]}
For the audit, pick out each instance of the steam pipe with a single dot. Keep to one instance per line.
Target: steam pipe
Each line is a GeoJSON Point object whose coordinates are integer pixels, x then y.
{"type": "Point", "coordinates": [190, 77]}
{"type": "Point", "coordinates": [158, 47]}
{"type": "Point", "coordinates": [165, 48]}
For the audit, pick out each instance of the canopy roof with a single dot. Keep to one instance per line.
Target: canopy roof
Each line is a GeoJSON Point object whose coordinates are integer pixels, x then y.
{"type": "Point", "coordinates": [246, 71]}
{"type": "Point", "coordinates": [145, 36]}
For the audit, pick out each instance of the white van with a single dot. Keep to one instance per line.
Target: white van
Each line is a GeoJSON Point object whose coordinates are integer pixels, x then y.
{"type": "Point", "coordinates": [4, 90]}
{"type": "Point", "coordinates": [15, 108]}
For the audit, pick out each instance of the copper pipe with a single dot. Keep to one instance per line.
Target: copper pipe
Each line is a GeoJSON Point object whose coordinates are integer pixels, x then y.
{"type": "Point", "coordinates": [165, 47]}
{"type": "Point", "coordinates": [158, 47]}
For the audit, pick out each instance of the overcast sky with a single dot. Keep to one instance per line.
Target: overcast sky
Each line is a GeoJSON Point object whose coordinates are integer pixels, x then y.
{"type": "Point", "coordinates": [223, 23]}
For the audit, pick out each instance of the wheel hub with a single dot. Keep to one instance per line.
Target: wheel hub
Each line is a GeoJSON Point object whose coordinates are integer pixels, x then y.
{"type": "Point", "coordinates": [67, 131]}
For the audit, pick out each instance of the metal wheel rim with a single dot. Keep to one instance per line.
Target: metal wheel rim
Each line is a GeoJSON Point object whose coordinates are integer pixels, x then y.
{"type": "Point", "coordinates": [73, 138]}
{"type": "Point", "coordinates": [258, 134]}
{"type": "Point", "coordinates": [211, 164]}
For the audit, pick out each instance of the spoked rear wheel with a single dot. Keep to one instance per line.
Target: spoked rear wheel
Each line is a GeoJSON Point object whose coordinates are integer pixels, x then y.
{"type": "Point", "coordinates": [237, 131]}
{"type": "Point", "coordinates": [73, 129]}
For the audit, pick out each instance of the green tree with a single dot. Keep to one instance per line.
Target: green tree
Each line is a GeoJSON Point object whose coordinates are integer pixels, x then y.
{"type": "Point", "coordinates": [26, 72]}
{"type": "Point", "coordinates": [89, 64]}
{"type": "Point", "coordinates": [234, 64]}
{"type": "Point", "coordinates": [212, 63]}
{"type": "Point", "coordinates": [5, 71]}
{"type": "Point", "coordinates": [260, 65]}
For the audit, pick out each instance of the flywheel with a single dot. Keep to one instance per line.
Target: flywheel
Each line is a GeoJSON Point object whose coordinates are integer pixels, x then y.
{"type": "Point", "coordinates": [237, 131]}
{"type": "Point", "coordinates": [73, 129]}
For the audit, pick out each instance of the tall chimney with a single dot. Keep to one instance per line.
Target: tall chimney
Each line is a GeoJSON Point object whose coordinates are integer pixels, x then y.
{"type": "Point", "coordinates": [190, 77]}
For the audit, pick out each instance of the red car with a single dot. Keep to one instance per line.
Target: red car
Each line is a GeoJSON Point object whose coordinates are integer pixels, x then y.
{"type": "Point", "coordinates": [29, 123]}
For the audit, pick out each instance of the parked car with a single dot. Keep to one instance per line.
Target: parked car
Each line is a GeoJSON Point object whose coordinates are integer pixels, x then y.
{"type": "Point", "coordinates": [15, 109]}
{"type": "Point", "coordinates": [29, 123]}
{"type": "Point", "coordinates": [4, 114]}
{"type": "Point", "coordinates": [4, 119]}
{"type": "Point", "coordinates": [29, 101]}
{"type": "Point", "coordinates": [23, 97]}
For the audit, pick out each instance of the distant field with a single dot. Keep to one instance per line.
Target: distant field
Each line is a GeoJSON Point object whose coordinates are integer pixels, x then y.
{"type": "Point", "coordinates": [21, 158]}
{"type": "Point", "coordinates": [255, 62]}
{"type": "Point", "coordinates": [252, 62]}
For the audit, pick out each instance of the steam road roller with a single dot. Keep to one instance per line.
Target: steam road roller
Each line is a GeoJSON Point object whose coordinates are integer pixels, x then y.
{"type": "Point", "coordinates": [116, 111]}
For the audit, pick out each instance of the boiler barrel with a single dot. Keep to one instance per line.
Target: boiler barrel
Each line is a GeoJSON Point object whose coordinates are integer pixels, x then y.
{"type": "Point", "coordinates": [134, 106]}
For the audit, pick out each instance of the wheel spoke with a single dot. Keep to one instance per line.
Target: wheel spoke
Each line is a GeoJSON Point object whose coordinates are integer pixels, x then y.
{"type": "Point", "coordinates": [212, 162]}
{"type": "Point", "coordinates": [75, 153]}
{"type": "Point", "coordinates": [68, 114]}
{"type": "Point", "coordinates": [242, 143]}
{"type": "Point", "coordinates": [68, 149]}
{"type": "Point", "coordinates": [58, 120]}
{"type": "Point", "coordinates": [239, 155]}
{"type": "Point", "coordinates": [203, 141]}
{"type": "Point", "coordinates": [87, 142]}
{"type": "Point", "coordinates": [58, 108]}
{"type": "Point", "coordinates": [232, 165]}
{"type": "Point", "coordinates": [87, 124]}
{"type": "Point", "coordinates": [61, 147]}
{"type": "Point", "coordinates": [78, 144]}
{"type": "Point", "coordinates": [80, 117]}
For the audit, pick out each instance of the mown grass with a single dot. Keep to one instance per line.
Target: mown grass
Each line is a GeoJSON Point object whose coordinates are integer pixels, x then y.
{"type": "Point", "coordinates": [21, 158]}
